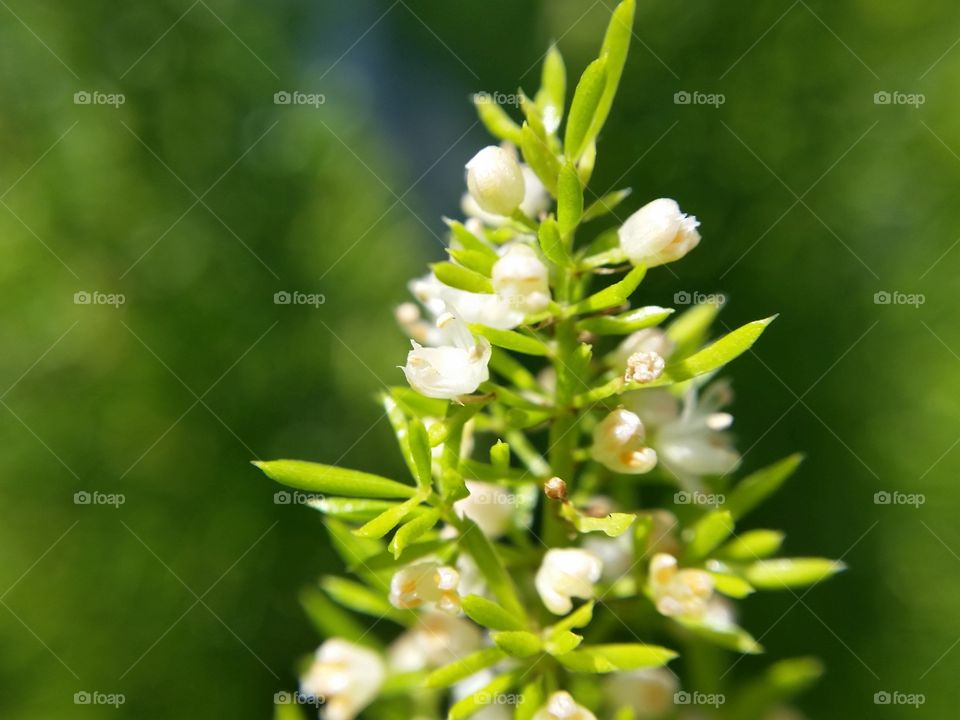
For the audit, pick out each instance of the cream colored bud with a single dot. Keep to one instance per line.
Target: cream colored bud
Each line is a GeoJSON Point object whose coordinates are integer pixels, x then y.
{"type": "Point", "coordinates": [643, 368]}
{"type": "Point", "coordinates": [684, 594]}
{"type": "Point", "coordinates": [345, 676]}
{"type": "Point", "coordinates": [426, 583]}
{"type": "Point", "coordinates": [562, 706]}
{"type": "Point", "coordinates": [521, 279]}
{"type": "Point", "coordinates": [495, 180]}
{"type": "Point", "coordinates": [618, 443]}
{"type": "Point", "coordinates": [555, 489]}
{"type": "Point", "coordinates": [658, 233]}
{"type": "Point", "coordinates": [566, 573]}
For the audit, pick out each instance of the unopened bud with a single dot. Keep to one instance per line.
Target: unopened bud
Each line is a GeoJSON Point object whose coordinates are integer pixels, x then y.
{"type": "Point", "coordinates": [555, 489]}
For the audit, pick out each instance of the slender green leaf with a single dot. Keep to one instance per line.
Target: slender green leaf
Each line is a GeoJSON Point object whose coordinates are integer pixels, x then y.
{"type": "Point", "coordinates": [315, 477]}
{"type": "Point", "coordinates": [625, 323]}
{"type": "Point", "coordinates": [500, 456]}
{"type": "Point", "coordinates": [579, 618]}
{"type": "Point", "coordinates": [532, 115]}
{"type": "Point", "coordinates": [552, 96]}
{"type": "Point", "coordinates": [518, 643]}
{"type": "Point", "coordinates": [422, 456]}
{"type": "Point", "coordinates": [758, 486]}
{"type": "Point", "coordinates": [351, 509]}
{"type": "Point", "coordinates": [689, 330]}
{"type": "Point", "coordinates": [605, 205]}
{"type": "Point", "coordinates": [412, 530]}
{"type": "Point", "coordinates": [473, 260]}
{"type": "Point", "coordinates": [752, 545]}
{"type": "Point", "coordinates": [540, 158]}
{"type": "Point", "coordinates": [457, 276]}
{"type": "Point", "coordinates": [510, 369]}
{"type": "Point", "coordinates": [362, 599]}
{"type": "Point", "coordinates": [616, 45]}
{"type": "Point", "coordinates": [709, 531]}
{"type": "Point", "coordinates": [563, 642]}
{"type": "Point", "coordinates": [490, 564]}
{"type": "Point", "coordinates": [551, 243]}
{"type": "Point", "coordinates": [464, 668]}
{"type": "Point", "coordinates": [569, 200]}
{"type": "Point", "coordinates": [387, 520]}
{"type": "Point", "coordinates": [732, 637]}
{"type": "Point", "coordinates": [532, 699]}
{"type": "Point", "coordinates": [610, 296]}
{"type": "Point", "coordinates": [583, 109]}
{"type": "Point", "coordinates": [415, 404]}
{"type": "Point", "coordinates": [791, 572]}
{"type": "Point", "coordinates": [731, 585]}
{"type": "Point", "coordinates": [489, 614]}
{"type": "Point", "coordinates": [495, 119]}
{"type": "Point", "coordinates": [512, 340]}
{"type": "Point", "coordinates": [617, 657]}
{"type": "Point", "coordinates": [468, 241]}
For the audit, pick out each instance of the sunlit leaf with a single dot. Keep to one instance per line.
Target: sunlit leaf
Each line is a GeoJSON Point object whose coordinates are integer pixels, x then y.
{"type": "Point", "coordinates": [583, 109]}
{"type": "Point", "coordinates": [489, 614]}
{"type": "Point", "coordinates": [328, 479]}
{"type": "Point", "coordinates": [758, 486]}
{"type": "Point", "coordinates": [464, 667]}
{"type": "Point", "coordinates": [790, 572]}
{"type": "Point", "coordinates": [616, 657]}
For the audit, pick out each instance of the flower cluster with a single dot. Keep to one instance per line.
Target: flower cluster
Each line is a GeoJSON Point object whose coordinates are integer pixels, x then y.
{"type": "Point", "coordinates": [573, 502]}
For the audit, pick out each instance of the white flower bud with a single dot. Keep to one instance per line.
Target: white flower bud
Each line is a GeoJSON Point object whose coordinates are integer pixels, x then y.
{"type": "Point", "coordinates": [644, 367]}
{"type": "Point", "coordinates": [684, 594]}
{"type": "Point", "coordinates": [495, 180]}
{"type": "Point", "coordinates": [437, 639]}
{"type": "Point", "coordinates": [561, 706]}
{"type": "Point", "coordinates": [448, 371]}
{"type": "Point", "coordinates": [648, 692]}
{"type": "Point", "coordinates": [536, 202]}
{"type": "Point", "coordinates": [426, 582]}
{"type": "Point", "coordinates": [345, 676]}
{"type": "Point", "coordinates": [520, 279]}
{"type": "Point", "coordinates": [489, 506]}
{"type": "Point", "coordinates": [658, 233]}
{"type": "Point", "coordinates": [566, 573]}
{"type": "Point", "coordinates": [480, 308]}
{"type": "Point", "coordinates": [618, 444]}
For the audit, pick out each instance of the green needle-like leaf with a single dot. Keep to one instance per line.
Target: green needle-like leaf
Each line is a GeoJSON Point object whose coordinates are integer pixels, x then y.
{"type": "Point", "coordinates": [613, 658]}
{"type": "Point", "coordinates": [457, 276]}
{"type": "Point", "coordinates": [758, 486]}
{"type": "Point", "coordinates": [489, 614]}
{"type": "Point", "coordinates": [583, 109]}
{"type": "Point", "coordinates": [610, 296]}
{"type": "Point", "coordinates": [463, 668]}
{"type": "Point", "coordinates": [315, 477]}
{"type": "Point", "coordinates": [518, 643]}
{"type": "Point", "coordinates": [708, 532]}
{"type": "Point", "coordinates": [569, 200]}
{"type": "Point", "coordinates": [791, 572]}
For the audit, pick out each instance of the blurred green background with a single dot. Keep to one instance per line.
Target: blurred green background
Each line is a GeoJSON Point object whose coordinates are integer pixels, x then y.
{"type": "Point", "coordinates": [198, 198]}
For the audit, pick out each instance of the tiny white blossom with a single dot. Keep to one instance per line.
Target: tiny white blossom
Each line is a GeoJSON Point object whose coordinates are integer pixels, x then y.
{"type": "Point", "coordinates": [520, 279]}
{"type": "Point", "coordinates": [689, 435]}
{"type": "Point", "coordinates": [345, 676]}
{"type": "Point", "coordinates": [684, 594]}
{"type": "Point", "coordinates": [618, 444]}
{"type": "Point", "coordinates": [437, 639]}
{"type": "Point", "coordinates": [646, 340]}
{"type": "Point", "coordinates": [425, 583]}
{"type": "Point", "coordinates": [449, 370]}
{"type": "Point", "coordinates": [644, 367]}
{"type": "Point", "coordinates": [658, 233]}
{"type": "Point", "coordinates": [562, 706]}
{"type": "Point", "coordinates": [495, 180]}
{"type": "Point", "coordinates": [536, 201]}
{"type": "Point", "coordinates": [566, 573]}
{"type": "Point", "coordinates": [489, 506]}
{"type": "Point", "coordinates": [480, 308]}
{"type": "Point", "coordinates": [648, 692]}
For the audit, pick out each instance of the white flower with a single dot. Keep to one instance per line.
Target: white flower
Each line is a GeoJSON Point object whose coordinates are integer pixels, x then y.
{"type": "Point", "coordinates": [616, 553]}
{"type": "Point", "coordinates": [644, 367]}
{"type": "Point", "coordinates": [345, 676]}
{"type": "Point", "coordinates": [561, 706]}
{"type": "Point", "coordinates": [618, 443]}
{"type": "Point", "coordinates": [684, 594]}
{"type": "Point", "coordinates": [449, 370]}
{"type": "Point", "coordinates": [648, 692]}
{"type": "Point", "coordinates": [564, 574]}
{"type": "Point", "coordinates": [437, 639]}
{"type": "Point", "coordinates": [489, 506]}
{"type": "Point", "coordinates": [520, 279]}
{"type": "Point", "coordinates": [495, 180]}
{"type": "Point", "coordinates": [658, 233]}
{"type": "Point", "coordinates": [647, 340]}
{"type": "Point", "coordinates": [689, 439]}
{"type": "Point", "coordinates": [536, 201]}
{"type": "Point", "coordinates": [426, 583]}
{"type": "Point", "coordinates": [480, 308]}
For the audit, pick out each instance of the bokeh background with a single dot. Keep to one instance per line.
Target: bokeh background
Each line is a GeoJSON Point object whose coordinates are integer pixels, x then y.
{"type": "Point", "coordinates": [198, 198]}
